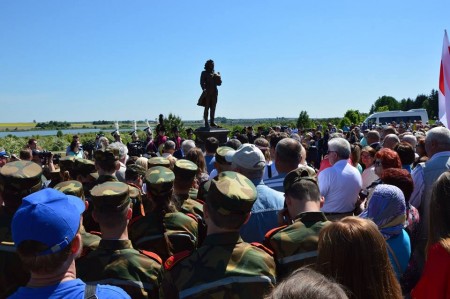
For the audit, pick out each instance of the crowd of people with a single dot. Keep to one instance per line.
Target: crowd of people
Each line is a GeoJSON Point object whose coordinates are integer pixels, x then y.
{"type": "Point", "coordinates": [277, 213]}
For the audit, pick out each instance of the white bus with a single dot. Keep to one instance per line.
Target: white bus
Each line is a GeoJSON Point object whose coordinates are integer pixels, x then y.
{"type": "Point", "coordinates": [387, 117]}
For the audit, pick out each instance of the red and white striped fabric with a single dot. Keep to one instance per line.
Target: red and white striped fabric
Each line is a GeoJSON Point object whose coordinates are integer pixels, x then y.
{"type": "Point", "coordinates": [444, 83]}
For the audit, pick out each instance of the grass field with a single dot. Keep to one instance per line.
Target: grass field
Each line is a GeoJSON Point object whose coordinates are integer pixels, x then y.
{"type": "Point", "coordinates": [16, 126]}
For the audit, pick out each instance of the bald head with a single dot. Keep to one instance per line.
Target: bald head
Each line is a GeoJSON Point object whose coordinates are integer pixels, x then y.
{"type": "Point", "coordinates": [372, 137]}
{"type": "Point", "coordinates": [288, 154]}
{"type": "Point", "coordinates": [390, 141]}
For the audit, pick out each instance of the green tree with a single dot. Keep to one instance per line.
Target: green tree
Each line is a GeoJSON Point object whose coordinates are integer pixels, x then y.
{"type": "Point", "coordinates": [345, 122]}
{"type": "Point", "coordinates": [59, 134]}
{"type": "Point", "coordinates": [171, 121]}
{"type": "Point", "coordinates": [383, 108]}
{"type": "Point", "coordinates": [388, 101]}
{"type": "Point", "coordinates": [354, 116]}
{"type": "Point", "coordinates": [303, 120]}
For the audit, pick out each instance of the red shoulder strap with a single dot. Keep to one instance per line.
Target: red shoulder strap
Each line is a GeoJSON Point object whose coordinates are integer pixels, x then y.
{"type": "Point", "coordinates": [151, 255]}
{"type": "Point", "coordinates": [261, 246]}
{"type": "Point", "coordinates": [95, 233]}
{"type": "Point", "coordinates": [200, 201]}
{"type": "Point", "coordinates": [273, 231]}
{"type": "Point", "coordinates": [174, 259]}
{"type": "Point", "coordinates": [192, 216]}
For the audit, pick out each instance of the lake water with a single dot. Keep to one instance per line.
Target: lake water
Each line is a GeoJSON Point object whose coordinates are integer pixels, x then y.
{"type": "Point", "coordinates": [53, 132]}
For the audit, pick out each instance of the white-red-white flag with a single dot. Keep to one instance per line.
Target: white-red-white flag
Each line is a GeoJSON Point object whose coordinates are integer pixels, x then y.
{"type": "Point", "coordinates": [444, 83]}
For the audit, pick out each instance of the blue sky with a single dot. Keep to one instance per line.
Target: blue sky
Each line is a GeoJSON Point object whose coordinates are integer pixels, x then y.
{"type": "Point", "coordinates": [115, 60]}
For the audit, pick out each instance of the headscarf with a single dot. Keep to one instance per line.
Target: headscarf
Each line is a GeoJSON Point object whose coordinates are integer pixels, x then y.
{"type": "Point", "coordinates": [387, 209]}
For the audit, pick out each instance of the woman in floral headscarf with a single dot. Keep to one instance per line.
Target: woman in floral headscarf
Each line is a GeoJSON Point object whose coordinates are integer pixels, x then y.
{"type": "Point", "coordinates": [387, 209]}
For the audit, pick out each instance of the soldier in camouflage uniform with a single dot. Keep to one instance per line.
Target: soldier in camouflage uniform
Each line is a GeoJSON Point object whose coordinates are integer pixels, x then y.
{"type": "Point", "coordinates": [84, 171]}
{"type": "Point", "coordinates": [17, 180]}
{"type": "Point", "coordinates": [134, 176]}
{"type": "Point", "coordinates": [75, 188]}
{"type": "Point", "coordinates": [106, 163]}
{"type": "Point", "coordinates": [158, 161]}
{"type": "Point", "coordinates": [65, 171]}
{"type": "Point", "coordinates": [295, 244]}
{"type": "Point", "coordinates": [185, 172]}
{"type": "Point", "coordinates": [115, 261]}
{"type": "Point", "coordinates": [224, 266]}
{"type": "Point", "coordinates": [162, 230]}
{"type": "Point", "coordinates": [223, 158]}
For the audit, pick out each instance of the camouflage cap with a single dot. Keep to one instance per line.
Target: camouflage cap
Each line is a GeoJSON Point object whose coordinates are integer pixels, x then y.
{"type": "Point", "coordinates": [111, 196]}
{"type": "Point", "coordinates": [231, 193]}
{"type": "Point", "coordinates": [109, 154]}
{"type": "Point", "coordinates": [301, 173]}
{"type": "Point", "coordinates": [158, 161]}
{"type": "Point", "coordinates": [159, 180]}
{"type": "Point", "coordinates": [23, 177]}
{"type": "Point", "coordinates": [222, 157]}
{"type": "Point", "coordinates": [84, 166]}
{"type": "Point", "coordinates": [72, 187]}
{"type": "Point", "coordinates": [185, 169]}
{"type": "Point", "coordinates": [134, 192]}
{"type": "Point", "coordinates": [135, 169]}
{"type": "Point", "coordinates": [203, 190]}
{"type": "Point", "coordinates": [66, 163]}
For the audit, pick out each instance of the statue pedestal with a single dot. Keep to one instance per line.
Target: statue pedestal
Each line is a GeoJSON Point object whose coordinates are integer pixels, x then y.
{"type": "Point", "coordinates": [203, 133]}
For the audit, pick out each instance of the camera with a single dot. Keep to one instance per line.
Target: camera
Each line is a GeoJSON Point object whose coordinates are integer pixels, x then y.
{"type": "Point", "coordinates": [42, 154]}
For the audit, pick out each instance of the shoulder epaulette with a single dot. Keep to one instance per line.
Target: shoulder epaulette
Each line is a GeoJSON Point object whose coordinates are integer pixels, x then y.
{"type": "Point", "coordinates": [261, 246]}
{"type": "Point", "coordinates": [92, 232]}
{"type": "Point", "coordinates": [192, 216]}
{"type": "Point", "coordinates": [200, 201]}
{"type": "Point", "coordinates": [134, 219]}
{"type": "Point", "coordinates": [174, 259]}
{"type": "Point", "coordinates": [273, 231]}
{"type": "Point", "coordinates": [151, 255]}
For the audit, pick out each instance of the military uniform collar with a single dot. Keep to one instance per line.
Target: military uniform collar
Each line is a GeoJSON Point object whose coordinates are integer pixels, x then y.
{"type": "Point", "coordinates": [115, 244]}
{"type": "Point", "coordinates": [310, 217]}
{"type": "Point", "coordinates": [223, 239]}
{"type": "Point", "coordinates": [106, 178]}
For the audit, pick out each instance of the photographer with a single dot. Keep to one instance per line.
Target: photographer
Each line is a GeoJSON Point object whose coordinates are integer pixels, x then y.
{"type": "Point", "coordinates": [44, 159]}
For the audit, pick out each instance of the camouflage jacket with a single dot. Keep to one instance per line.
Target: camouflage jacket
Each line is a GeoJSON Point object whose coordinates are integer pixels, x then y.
{"type": "Point", "coordinates": [180, 229]}
{"type": "Point", "coordinates": [12, 274]}
{"type": "Point", "coordinates": [223, 267]}
{"type": "Point", "coordinates": [90, 241]}
{"type": "Point", "coordinates": [115, 262]}
{"type": "Point", "coordinates": [89, 223]}
{"type": "Point", "coordinates": [192, 206]}
{"type": "Point", "coordinates": [296, 245]}
{"type": "Point", "coordinates": [5, 224]}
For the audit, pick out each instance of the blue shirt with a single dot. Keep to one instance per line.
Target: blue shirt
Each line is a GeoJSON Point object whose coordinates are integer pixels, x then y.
{"type": "Point", "coordinates": [401, 246]}
{"type": "Point", "coordinates": [276, 182]}
{"type": "Point", "coordinates": [72, 289]}
{"type": "Point", "coordinates": [264, 213]}
{"type": "Point", "coordinates": [209, 160]}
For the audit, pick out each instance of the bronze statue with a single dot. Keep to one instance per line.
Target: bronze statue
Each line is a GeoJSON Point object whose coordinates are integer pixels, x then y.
{"type": "Point", "coordinates": [209, 80]}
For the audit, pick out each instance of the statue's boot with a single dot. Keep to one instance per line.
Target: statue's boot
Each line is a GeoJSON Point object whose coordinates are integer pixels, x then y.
{"type": "Point", "coordinates": [205, 117]}
{"type": "Point", "coordinates": [212, 113]}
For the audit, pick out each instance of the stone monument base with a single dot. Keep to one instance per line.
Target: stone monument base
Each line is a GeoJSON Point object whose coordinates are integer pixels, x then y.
{"type": "Point", "coordinates": [203, 133]}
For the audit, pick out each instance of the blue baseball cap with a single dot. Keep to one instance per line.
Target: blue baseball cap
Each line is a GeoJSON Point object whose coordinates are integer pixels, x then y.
{"type": "Point", "coordinates": [48, 216]}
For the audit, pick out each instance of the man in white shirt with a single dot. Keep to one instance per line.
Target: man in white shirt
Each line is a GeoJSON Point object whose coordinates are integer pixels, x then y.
{"type": "Point", "coordinates": [341, 183]}
{"type": "Point", "coordinates": [437, 145]}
